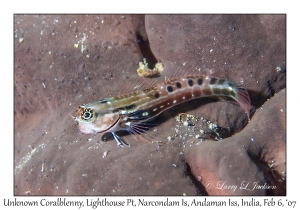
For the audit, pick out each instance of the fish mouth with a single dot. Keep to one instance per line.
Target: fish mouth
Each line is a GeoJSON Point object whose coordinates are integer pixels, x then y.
{"type": "Point", "coordinates": [74, 118]}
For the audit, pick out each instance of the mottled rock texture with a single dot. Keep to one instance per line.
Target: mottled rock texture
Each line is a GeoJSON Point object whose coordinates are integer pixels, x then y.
{"type": "Point", "coordinates": [63, 61]}
{"type": "Point", "coordinates": [253, 161]}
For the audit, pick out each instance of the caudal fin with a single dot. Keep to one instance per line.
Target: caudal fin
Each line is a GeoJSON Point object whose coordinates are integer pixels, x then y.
{"type": "Point", "coordinates": [244, 99]}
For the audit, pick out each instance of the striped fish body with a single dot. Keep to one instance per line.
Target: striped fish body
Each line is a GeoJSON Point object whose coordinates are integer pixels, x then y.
{"type": "Point", "coordinates": [126, 112]}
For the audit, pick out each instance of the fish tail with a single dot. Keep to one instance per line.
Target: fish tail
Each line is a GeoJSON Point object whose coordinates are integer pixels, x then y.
{"type": "Point", "coordinates": [243, 99]}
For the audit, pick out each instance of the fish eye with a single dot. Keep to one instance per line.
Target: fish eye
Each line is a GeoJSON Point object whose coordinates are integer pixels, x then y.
{"type": "Point", "coordinates": [87, 114]}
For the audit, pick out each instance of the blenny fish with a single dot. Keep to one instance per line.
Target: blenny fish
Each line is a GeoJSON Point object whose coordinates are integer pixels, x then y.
{"type": "Point", "coordinates": [131, 112]}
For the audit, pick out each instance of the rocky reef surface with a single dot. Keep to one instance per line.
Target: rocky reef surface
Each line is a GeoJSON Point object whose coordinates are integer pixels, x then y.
{"type": "Point", "coordinates": [63, 61]}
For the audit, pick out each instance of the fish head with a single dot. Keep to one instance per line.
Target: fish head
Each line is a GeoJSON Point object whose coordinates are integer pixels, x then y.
{"type": "Point", "coordinates": [94, 121]}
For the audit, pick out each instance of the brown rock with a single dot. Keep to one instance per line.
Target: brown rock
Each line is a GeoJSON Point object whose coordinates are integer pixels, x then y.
{"type": "Point", "coordinates": [63, 61]}
{"type": "Point", "coordinates": [252, 162]}
{"type": "Point", "coordinates": [231, 46]}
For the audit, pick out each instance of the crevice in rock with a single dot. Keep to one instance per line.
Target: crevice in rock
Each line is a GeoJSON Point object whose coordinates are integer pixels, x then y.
{"type": "Point", "coordinates": [271, 90]}
{"type": "Point", "coordinates": [272, 177]}
{"type": "Point", "coordinates": [199, 186]}
{"type": "Point", "coordinates": [144, 46]}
